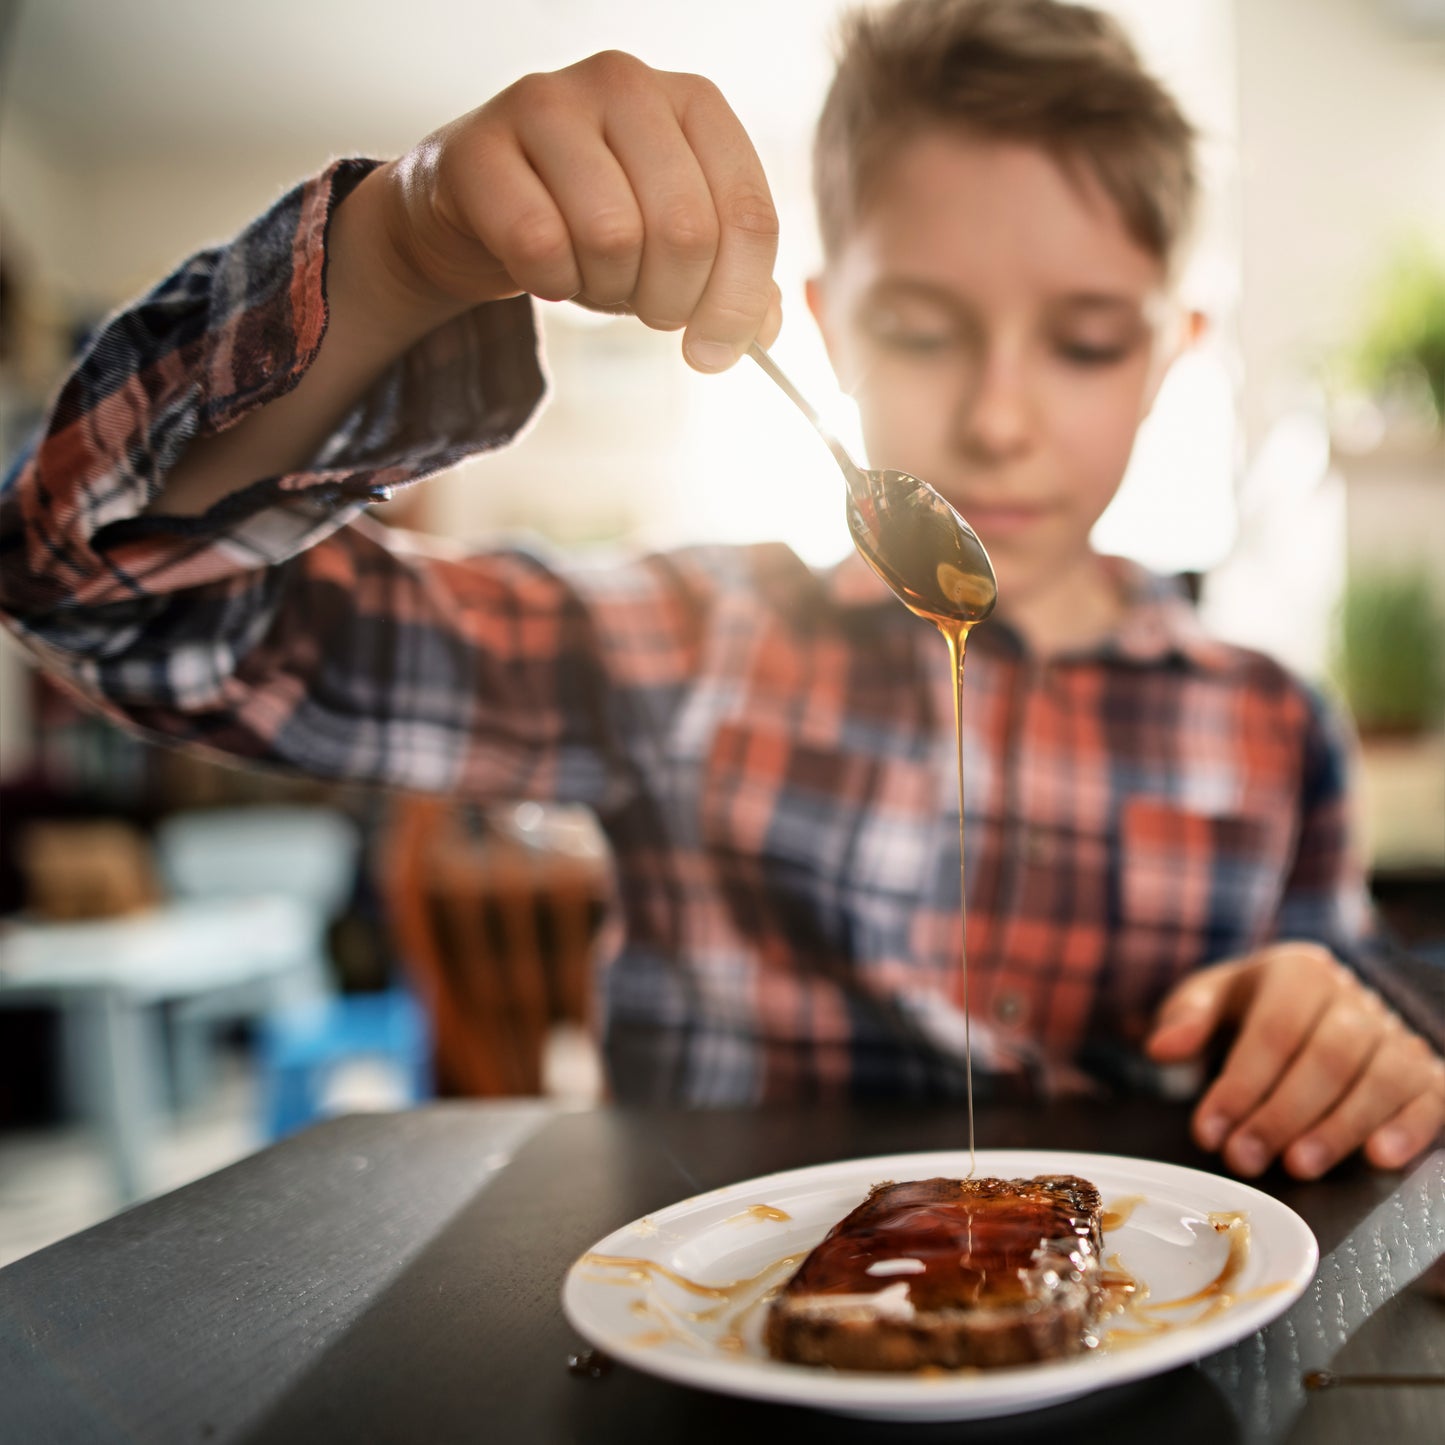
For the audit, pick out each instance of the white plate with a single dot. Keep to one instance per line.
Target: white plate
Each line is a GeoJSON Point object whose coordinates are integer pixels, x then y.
{"type": "Point", "coordinates": [641, 1311]}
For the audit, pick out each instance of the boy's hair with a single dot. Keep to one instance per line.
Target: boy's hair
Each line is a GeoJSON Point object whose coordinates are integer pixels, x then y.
{"type": "Point", "coordinates": [1063, 77]}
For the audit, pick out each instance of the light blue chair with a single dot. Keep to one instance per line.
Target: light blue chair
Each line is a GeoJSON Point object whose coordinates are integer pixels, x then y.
{"type": "Point", "coordinates": [309, 853]}
{"type": "Point", "coordinates": [241, 934]}
{"type": "Point", "coordinates": [207, 857]}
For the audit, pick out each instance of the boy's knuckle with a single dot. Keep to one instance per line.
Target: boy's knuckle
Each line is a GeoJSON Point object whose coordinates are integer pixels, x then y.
{"type": "Point", "coordinates": [1276, 1035]}
{"type": "Point", "coordinates": [751, 211]}
{"type": "Point", "coordinates": [1416, 1055]}
{"type": "Point", "coordinates": [698, 88]}
{"type": "Point", "coordinates": [731, 315]}
{"type": "Point", "coordinates": [540, 93]}
{"type": "Point", "coordinates": [618, 68]}
{"type": "Point", "coordinates": [537, 242]}
{"type": "Point", "coordinates": [612, 236]}
{"type": "Point", "coordinates": [1312, 959]}
{"type": "Point", "coordinates": [688, 230]}
{"type": "Point", "coordinates": [1339, 1052]}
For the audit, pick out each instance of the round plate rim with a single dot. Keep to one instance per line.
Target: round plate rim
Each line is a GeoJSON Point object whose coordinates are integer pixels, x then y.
{"type": "Point", "coordinates": [972, 1396]}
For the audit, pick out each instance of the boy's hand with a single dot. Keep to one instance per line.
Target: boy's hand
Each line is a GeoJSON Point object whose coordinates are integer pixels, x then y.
{"type": "Point", "coordinates": [1319, 1065]}
{"type": "Point", "coordinates": [608, 183]}
{"type": "Point", "coordinates": [620, 186]}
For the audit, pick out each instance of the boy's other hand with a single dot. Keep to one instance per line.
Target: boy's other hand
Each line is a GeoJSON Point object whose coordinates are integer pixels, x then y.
{"type": "Point", "coordinates": [608, 183]}
{"type": "Point", "coordinates": [1319, 1066]}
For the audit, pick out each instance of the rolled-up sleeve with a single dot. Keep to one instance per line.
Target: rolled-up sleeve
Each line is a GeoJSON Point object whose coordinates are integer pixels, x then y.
{"type": "Point", "coordinates": [284, 626]}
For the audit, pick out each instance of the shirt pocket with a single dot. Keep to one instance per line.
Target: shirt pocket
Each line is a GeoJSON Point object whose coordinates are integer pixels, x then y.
{"type": "Point", "coordinates": [1194, 888]}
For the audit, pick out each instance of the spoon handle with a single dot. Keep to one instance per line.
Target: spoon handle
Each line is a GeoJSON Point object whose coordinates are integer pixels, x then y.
{"type": "Point", "coordinates": [851, 469]}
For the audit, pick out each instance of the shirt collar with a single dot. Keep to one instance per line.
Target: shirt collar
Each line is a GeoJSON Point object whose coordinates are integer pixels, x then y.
{"type": "Point", "coordinates": [1160, 622]}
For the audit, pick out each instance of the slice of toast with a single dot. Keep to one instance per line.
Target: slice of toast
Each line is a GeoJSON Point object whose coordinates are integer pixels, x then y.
{"type": "Point", "coordinates": [948, 1273]}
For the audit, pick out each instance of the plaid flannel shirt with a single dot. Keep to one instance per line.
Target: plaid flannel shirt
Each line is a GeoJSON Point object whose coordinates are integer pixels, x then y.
{"type": "Point", "coordinates": [769, 748]}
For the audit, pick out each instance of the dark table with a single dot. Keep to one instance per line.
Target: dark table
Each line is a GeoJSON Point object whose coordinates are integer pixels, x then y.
{"type": "Point", "coordinates": [396, 1278]}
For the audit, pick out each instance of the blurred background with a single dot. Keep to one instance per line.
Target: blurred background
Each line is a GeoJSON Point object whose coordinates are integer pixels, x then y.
{"type": "Point", "coordinates": [1294, 468]}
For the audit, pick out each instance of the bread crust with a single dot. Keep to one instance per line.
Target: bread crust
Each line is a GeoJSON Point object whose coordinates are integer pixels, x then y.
{"type": "Point", "coordinates": [948, 1274]}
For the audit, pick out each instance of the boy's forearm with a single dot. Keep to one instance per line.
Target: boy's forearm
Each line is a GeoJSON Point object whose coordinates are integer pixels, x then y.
{"type": "Point", "coordinates": [376, 312]}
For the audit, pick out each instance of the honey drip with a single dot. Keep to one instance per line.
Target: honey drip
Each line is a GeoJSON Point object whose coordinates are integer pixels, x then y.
{"type": "Point", "coordinates": [636, 1270]}
{"type": "Point", "coordinates": [1138, 1318]}
{"type": "Point", "coordinates": [941, 574]}
{"type": "Point", "coordinates": [741, 1296]}
{"type": "Point", "coordinates": [1117, 1214]}
{"type": "Point", "coordinates": [956, 635]}
{"type": "Point", "coordinates": [766, 1212]}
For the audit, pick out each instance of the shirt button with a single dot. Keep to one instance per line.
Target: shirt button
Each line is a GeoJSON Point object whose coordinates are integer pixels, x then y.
{"type": "Point", "coordinates": [1010, 1008]}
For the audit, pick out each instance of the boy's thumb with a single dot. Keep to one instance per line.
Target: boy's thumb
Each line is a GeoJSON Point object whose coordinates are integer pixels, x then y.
{"type": "Point", "coordinates": [1190, 1014]}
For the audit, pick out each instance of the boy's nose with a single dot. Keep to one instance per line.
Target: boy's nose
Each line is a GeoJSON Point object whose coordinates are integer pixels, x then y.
{"type": "Point", "coordinates": [994, 420]}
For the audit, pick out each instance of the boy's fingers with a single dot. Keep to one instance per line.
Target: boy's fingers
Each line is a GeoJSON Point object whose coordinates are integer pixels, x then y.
{"type": "Point", "coordinates": [679, 217]}
{"type": "Point", "coordinates": [612, 183]}
{"type": "Point", "coordinates": [495, 195]}
{"type": "Point", "coordinates": [1400, 1089]}
{"type": "Point", "coordinates": [594, 197]}
{"type": "Point", "coordinates": [1192, 1012]}
{"type": "Point", "coordinates": [1291, 989]}
{"type": "Point", "coordinates": [1413, 1129]}
{"type": "Point", "coordinates": [739, 289]}
{"type": "Point", "coordinates": [1321, 1075]}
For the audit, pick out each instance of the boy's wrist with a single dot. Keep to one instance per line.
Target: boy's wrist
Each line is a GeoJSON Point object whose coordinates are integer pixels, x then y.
{"type": "Point", "coordinates": [378, 276]}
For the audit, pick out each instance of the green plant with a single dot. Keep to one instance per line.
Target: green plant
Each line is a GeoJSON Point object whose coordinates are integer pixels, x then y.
{"type": "Point", "coordinates": [1390, 652]}
{"type": "Point", "coordinates": [1403, 337]}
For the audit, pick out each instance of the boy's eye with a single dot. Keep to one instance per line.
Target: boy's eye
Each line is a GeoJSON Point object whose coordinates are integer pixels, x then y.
{"type": "Point", "coordinates": [1084, 354]}
{"type": "Point", "coordinates": [911, 329]}
{"type": "Point", "coordinates": [918, 343]}
{"type": "Point", "coordinates": [915, 337]}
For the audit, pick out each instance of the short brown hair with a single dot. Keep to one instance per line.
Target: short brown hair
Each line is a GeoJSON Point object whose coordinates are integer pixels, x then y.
{"type": "Point", "coordinates": [1063, 77]}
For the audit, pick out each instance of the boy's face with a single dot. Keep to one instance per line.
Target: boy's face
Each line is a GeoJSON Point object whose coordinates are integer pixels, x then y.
{"type": "Point", "coordinates": [1000, 331]}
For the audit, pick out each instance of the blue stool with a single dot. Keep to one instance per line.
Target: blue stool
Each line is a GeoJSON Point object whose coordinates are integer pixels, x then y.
{"type": "Point", "coordinates": [300, 1050]}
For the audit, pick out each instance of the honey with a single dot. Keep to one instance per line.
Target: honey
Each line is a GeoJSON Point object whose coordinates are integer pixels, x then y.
{"type": "Point", "coordinates": [966, 1250]}
{"type": "Point", "coordinates": [940, 572]}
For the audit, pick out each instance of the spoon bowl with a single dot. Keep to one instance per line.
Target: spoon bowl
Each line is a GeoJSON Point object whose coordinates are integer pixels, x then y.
{"type": "Point", "coordinates": [910, 536]}
{"type": "Point", "coordinates": [922, 548]}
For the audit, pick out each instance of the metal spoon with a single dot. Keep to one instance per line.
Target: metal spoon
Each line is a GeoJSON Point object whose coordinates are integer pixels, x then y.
{"type": "Point", "coordinates": [913, 539]}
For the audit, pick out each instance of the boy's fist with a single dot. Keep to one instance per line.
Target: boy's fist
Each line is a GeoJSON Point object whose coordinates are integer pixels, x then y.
{"type": "Point", "coordinates": [608, 183]}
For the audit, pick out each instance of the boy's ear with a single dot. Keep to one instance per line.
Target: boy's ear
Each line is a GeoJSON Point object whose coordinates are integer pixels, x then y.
{"type": "Point", "coordinates": [1192, 329]}
{"type": "Point", "coordinates": [1188, 332]}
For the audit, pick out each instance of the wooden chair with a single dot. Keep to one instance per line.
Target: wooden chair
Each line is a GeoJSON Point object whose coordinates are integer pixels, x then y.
{"type": "Point", "coordinates": [495, 917]}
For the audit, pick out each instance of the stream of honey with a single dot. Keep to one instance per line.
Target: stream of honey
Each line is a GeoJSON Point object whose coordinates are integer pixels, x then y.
{"type": "Point", "coordinates": [937, 574]}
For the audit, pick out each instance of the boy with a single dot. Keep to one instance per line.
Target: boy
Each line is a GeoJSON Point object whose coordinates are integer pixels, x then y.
{"type": "Point", "coordinates": [1155, 831]}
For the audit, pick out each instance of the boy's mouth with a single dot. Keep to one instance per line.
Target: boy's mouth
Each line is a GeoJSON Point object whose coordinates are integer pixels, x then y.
{"type": "Point", "coordinates": [1002, 519]}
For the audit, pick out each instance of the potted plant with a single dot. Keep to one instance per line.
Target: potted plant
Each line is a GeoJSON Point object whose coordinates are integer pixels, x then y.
{"type": "Point", "coordinates": [1390, 652]}
{"type": "Point", "coordinates": [1389, 665]}
{"type": "Point", "coordinates": [1389, 381]}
